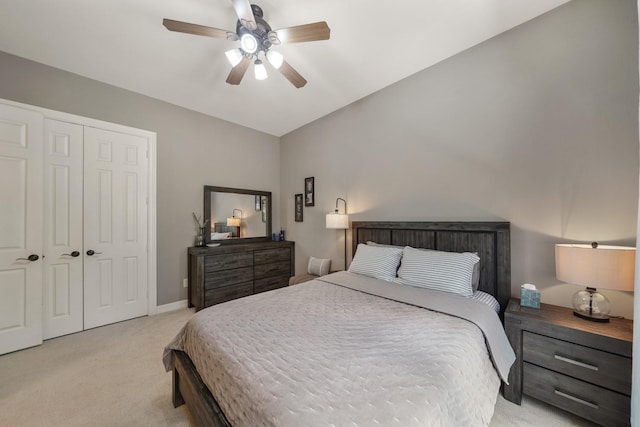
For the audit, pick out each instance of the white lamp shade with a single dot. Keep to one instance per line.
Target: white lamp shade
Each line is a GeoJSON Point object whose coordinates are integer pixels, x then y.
{"type": "Point", "coordinates": [260, 70]}
{"type": "Point", "coordinates": [234, 56]}
{"type": "Point", "coordinates": [275, 58]}
{"type": "Point", "coordinates": [605, 267]}
{"type": "Point", "coordinates": [233, 222]}
{"type": "Point", "coordinates": [337, 220]}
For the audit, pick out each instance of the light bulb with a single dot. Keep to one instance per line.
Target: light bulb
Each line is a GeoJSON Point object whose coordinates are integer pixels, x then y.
{"type": "Point", "coordinates": [260, 70]}
{"type": "Point", "coordinates": [249, 43]}
{"type": "Point", "coordinates": [275, 58]}
{"type": "Point", "coordinates": [234, 56]}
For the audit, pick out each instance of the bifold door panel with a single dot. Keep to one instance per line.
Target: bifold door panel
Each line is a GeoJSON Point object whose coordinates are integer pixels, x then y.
{"type": "Point", "coordinates": [20, 228]}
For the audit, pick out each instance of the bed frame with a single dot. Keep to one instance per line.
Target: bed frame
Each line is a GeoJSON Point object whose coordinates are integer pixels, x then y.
{"type": "Point", "coordinates": [491, 240]}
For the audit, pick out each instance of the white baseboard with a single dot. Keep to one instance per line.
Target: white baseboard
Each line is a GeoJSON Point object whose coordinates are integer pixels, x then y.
{"type": "Point", "coordinates": [172, 306]}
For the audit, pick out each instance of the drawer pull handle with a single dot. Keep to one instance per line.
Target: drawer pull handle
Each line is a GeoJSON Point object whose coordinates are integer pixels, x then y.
{"type": "Point", "coordinates": [577, 363]}
{"type": "Point", "coordinates": [576, 399]}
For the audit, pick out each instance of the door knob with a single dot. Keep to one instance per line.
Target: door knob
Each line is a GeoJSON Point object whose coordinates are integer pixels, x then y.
{"type": "Point", "coordinates": [73, 254]}
{"type": "Point", "coordinates": [32, 257]}
{"type": "Point", "coordinates": [91, 252]}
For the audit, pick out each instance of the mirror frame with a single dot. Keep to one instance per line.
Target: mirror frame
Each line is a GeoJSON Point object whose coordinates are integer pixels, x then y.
{"type": "Point", "coordinates": [208, 189]}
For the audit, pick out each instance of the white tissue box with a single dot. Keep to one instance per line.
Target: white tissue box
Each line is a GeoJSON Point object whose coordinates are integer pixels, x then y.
{"type": "Point", "coordinates": [529, 296]}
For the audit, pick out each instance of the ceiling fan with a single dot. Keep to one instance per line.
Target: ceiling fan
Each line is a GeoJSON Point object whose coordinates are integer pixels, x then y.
{"type": "Point", "coordinates": [255, 36]}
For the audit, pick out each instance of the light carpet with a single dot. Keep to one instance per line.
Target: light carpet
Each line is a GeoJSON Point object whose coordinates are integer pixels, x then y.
{"type": "Point", "coordinates": [113, 376]}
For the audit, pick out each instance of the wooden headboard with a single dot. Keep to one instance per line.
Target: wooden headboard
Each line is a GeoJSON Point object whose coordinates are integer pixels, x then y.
{"type": "Point", "coordinates": [222, 227]}
{"type": "Point", "coordinates": [491, 240]}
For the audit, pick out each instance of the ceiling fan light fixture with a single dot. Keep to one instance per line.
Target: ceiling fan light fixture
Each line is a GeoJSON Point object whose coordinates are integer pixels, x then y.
{"type": "Point", "coordinates": [249, 43]}
{"type": "Point", "coordinates": [275, 58]}
{"type": "Point", "coordinates": [234, 56]}
{"type": "Point", "coordinates": [260, 70]}
{"type": "Point", "coordinates": [255, 36]}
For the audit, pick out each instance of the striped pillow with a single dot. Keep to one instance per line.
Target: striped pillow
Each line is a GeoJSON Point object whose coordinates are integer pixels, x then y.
{"type": "Point", "coordinates": [475, 280]}
{"type": "Point", "coordinates": [376, 261]}
{"type": "Point", "coordinates": [439, 270]}
{"type": "Point", "coordinates": [487, 299]}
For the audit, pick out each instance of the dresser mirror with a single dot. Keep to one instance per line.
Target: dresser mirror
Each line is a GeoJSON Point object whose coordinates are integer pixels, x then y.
{"type": "Point", "coordinates": [236, 215]}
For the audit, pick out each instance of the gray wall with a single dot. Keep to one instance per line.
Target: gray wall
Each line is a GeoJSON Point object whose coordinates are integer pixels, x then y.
{"type": "Point", "coordinates": [193, 150]}
{"type": "Point", "coordinates": [537, 126]}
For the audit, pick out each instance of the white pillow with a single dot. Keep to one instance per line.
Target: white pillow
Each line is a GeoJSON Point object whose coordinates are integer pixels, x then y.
{"type": "Point", "coordinates": [380, 262]}
{"type": "Point", "coordinates": [319, 266]}
{"type": "Point", "coordinates": [220, 236]}
{"type": "Point", "coordinates": [439, 270]}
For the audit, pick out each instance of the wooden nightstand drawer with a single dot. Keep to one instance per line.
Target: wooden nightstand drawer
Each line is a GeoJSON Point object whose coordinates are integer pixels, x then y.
{"type": "Point", "coordinates": [590, 401]}
{"type": "Point", "coordinates": [584, 363]}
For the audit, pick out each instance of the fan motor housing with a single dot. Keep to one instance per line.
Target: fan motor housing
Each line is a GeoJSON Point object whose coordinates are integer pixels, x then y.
{"type": "Point", "coordinates": [260, 33]}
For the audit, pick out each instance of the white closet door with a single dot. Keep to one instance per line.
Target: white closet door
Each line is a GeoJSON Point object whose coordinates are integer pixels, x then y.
{"type": "Point", "coordinates": [20, 228]}
{"type": "Point", "coordinates": [63, 182]}
{"type": "Point", "coordinates": [115, 227]}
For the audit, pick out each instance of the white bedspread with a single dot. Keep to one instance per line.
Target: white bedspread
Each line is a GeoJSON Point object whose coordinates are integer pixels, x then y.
{"type": "Point", "coordinates": [319, 354]}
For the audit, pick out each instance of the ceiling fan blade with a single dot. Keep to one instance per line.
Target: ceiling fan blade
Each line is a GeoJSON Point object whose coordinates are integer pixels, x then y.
{"type": "Point", "coordinates": [292, 75]}
{"type": "Point", "coordinates": [199, 30]}
{"type": "Point", "coordinates": [301, 33]}
{"type": "Point", "coordinates": [245, 14]}
{"type": "Point", "coordinates": [237, 72]}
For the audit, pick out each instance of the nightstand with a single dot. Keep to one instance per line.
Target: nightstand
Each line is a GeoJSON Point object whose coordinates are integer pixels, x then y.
{"type": "Point", "coordinates": [580, 366]}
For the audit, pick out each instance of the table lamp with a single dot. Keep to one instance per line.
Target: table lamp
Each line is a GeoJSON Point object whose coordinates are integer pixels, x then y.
{"type": "Point", "coordinates": [235, 221]}
{"type": "Point", "coordinates": [595, 266]}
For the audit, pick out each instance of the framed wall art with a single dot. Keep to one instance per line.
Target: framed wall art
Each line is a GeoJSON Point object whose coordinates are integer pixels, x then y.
{"type": "Point", "coordinates": [309, 192]}
{"type": "Point", "coordinates": [298, 208]}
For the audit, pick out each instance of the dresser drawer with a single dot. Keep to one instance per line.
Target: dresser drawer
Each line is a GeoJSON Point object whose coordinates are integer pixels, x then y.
{"type": "Point", "coordinates": [594, 366]}
{"type": "Point", "coordinates": [270, 283]}
{"type": "Point", "coordinates": [222, 278]}
{"type": "Point", "coordinates": [227, 293]}
{"type": "Point", "coordinates": [273, 269]}
{"type": "Point", "coordinates": [227, 261]}
{"type": "Point", "coordinates": [272, 255]}
{"type": "Point", "coordinates": [586, 400]}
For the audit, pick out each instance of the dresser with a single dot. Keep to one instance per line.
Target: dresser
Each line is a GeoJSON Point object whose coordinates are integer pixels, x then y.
{"type": "Point", "coordinates": [580, 366]}
{"type": "Point", "coordinates": [233, 271]}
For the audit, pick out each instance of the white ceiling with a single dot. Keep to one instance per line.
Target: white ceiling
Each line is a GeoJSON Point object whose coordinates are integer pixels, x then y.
{"type": "Point", "coordinates": [373, 44]}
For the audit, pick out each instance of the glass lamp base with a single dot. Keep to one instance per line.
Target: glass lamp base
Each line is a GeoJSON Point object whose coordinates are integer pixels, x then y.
{"type": "Point", "coordinates": [591, 305]}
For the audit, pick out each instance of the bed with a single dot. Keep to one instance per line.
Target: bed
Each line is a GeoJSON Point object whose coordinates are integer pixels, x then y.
{"type": "Point", "coordinates": [221, 228]}
{"type": "Point", "coordinates": [365, 352]}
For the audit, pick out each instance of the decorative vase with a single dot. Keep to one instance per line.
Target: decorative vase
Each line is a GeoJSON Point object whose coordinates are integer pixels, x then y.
{"type": "Point", "coordinates": [200, 237]}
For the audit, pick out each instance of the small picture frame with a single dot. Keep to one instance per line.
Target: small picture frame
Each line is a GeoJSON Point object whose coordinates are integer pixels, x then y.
{"type": "Point", "coordinates": [298, 207]}
{"type": "Point", "coordinates": [258, 203]}
{"type": "Point", "coordinates": [309, 192]}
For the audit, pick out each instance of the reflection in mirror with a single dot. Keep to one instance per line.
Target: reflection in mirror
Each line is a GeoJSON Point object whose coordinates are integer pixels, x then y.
{"type": "Point", "coordinates": [236, 214]}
